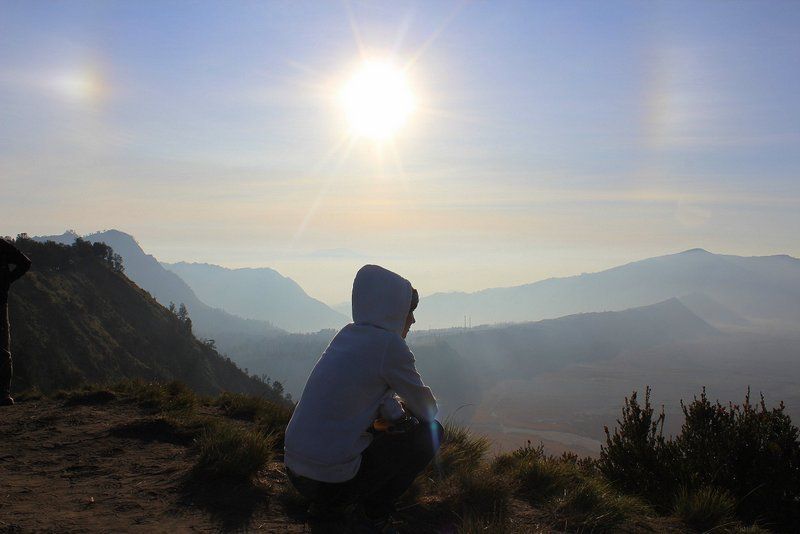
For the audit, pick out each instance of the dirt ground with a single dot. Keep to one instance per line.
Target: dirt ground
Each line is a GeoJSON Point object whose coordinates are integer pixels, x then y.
{"type": "Point", "coordinates": [88, 469]}
{"type": "Point", "coordinates": [105, 465]}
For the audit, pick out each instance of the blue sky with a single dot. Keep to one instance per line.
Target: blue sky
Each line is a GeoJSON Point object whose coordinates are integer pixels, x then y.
{"type": "Point", "coordinates": [550, 138]}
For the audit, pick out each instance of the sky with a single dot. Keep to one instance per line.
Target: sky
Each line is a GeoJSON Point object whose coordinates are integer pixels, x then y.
{"type": "Point", "coordinates": [547, 139]}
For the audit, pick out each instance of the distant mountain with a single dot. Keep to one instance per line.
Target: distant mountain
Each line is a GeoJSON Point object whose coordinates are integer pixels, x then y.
{"type": "Point", "coordinates": [459, 364]}
{"type": "Point", "coordinates": [167, 287]}
{"type": "Point", "coordinates": [763, 290]}
{"type": "Point", "coordinates": [262, 294]}
{"type": "Point", "coordinates": [75, 319]}
{"type": "Point", "coordinates": [522, 350]}
{"type": "Point", "coordinates": [712, 311]}
{"type": "Point", "coordinates": [345, 308]}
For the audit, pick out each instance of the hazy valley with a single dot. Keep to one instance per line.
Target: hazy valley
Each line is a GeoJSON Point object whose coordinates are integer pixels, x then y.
{"type": "Point", "coordinates": [676, 323]}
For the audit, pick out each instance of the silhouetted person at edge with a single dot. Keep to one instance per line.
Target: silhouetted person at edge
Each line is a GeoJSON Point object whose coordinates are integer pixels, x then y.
{"type": "Point", "coordinates": [353, 446]}
{"type": "Point", "coordinates": [9, 255]}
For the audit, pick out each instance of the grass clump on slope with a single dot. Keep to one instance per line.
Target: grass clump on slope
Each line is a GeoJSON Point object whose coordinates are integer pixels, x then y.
{"type": "Point", "coordinates": [705, 508]}
{"type": "Point", "coordinates": [227, 450]}
{"type": "Point", "coordinates": [172, 397]}
{"type": "Point", "coordinates": [571, 492]}
{"type": "Point", "coordinates": [459, 484]}
{"type": "Point", "coordinates": [269, 417]}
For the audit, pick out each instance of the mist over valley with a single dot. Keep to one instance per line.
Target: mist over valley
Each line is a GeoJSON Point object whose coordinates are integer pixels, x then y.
{"type": "Point", "coordinates": [676, 323]}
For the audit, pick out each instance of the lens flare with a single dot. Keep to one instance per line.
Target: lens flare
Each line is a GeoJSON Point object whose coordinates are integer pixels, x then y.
{"type": "Point", "coordinates": [80, 85]}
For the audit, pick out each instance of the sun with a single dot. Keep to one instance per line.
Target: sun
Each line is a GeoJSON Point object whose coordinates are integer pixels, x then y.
{"type": "Point", "coordinates": [377, 100]}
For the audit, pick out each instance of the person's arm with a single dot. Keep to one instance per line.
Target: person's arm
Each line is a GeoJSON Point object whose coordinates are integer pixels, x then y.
{"type": "Point", "coordinates": [391, 407]}
{"type": "Point", "coordinates": [400, 372]}
{"type": "Point", "coordinates": [13, 256]}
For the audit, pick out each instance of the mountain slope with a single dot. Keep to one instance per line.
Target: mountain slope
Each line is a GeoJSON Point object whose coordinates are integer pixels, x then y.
{"type": "Point", "coordinates": [712, 311]}
{"type": "Point", "coordinates": [262, 294]}
{"type": "Point", "coordinates": [458, 364]}
{"type": "Point", "coordinates": [168, 287]}
{"type": "Point", "coordinates": [76, 320]}
{"type": "Point", "coordinates": [765, 289]}
{"type": "Point", "coordinates": [523, 350]}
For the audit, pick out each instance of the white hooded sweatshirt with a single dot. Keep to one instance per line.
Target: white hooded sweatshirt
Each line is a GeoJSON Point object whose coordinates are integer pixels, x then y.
{"type": "Point", "coordinates": [358, 374]}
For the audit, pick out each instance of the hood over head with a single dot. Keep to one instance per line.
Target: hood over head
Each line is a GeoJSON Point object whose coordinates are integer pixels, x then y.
{"type": "Point", "coordinates": [381, 298]}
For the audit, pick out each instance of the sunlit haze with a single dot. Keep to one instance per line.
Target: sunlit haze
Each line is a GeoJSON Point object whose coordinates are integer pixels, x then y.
{"type": "Point", "coordinates": [465, 145]}
{"type": "Point", "coordinates": [377, 100]}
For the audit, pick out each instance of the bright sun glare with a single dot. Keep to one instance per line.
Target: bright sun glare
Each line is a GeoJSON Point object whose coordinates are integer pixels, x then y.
{"type": "Point", "coordinates": [377, 100]}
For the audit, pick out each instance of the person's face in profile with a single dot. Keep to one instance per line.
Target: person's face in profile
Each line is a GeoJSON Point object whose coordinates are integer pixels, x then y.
{"type": "Point", "coordinates": [409, 321]}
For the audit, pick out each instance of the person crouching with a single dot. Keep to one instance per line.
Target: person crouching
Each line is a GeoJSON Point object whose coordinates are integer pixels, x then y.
{"type": "Point", "coordinates": [365, 425]}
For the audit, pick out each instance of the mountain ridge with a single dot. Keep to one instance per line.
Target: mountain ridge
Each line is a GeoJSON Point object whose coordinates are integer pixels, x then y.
{"type": "Point", "coordinates": [166, 287]}
{"type": "Point", "coordinates": [76, 320]}
{"type": "Point", "coordinates": [756, 288]}
{"type": "Point", "coordinates": [258, 293]}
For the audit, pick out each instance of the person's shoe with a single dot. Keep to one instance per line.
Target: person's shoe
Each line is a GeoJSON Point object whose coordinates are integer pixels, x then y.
{"type": "Point", "coordinates": [6, 401]}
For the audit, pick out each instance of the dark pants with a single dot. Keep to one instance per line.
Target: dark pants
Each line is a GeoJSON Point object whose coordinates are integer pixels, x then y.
{"type": "Point", "coordinates": [388, 468]}
{"type": "Point", "coordinates": [5, 350]}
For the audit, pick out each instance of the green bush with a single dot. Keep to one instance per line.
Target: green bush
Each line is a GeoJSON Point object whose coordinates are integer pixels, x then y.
{"type": "Point", "coordinates": [706, 508]}
{"type": "Point", "coordinates": [749, 451]}
{"type": "Point", "coordinates": [636, 455]}
{"type": "Point", "coordinates": [226, 450]}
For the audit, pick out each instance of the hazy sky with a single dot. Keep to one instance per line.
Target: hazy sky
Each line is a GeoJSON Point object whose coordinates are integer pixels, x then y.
{"type": "Point", "coordinates": [549, 138]}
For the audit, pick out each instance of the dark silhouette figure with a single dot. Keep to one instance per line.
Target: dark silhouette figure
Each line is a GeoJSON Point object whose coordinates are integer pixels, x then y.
{"type": "Point", "coordinates": [365, 425]}
{"type": "Point", "coordinates": [13, 264]}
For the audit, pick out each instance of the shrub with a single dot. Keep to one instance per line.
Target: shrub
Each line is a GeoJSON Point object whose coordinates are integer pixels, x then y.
{"type": "Point", "coordinates": [748, 451]}
{"type": "Point", "coordinates": [706, 508]}
{"type": "Point", "coordinates": [226, 450]}
{"type": "Point", "coordinates": [751, 451]}
{"type": "Point", "coordinates": [636, 456]}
